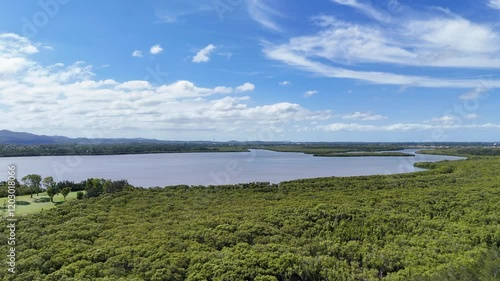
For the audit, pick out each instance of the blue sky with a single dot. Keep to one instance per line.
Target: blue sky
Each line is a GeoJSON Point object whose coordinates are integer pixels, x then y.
{"type": "Point", "coordinates": [327, 70]}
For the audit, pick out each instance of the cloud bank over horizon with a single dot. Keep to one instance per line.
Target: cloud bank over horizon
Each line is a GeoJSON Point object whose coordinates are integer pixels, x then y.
{"type": "Point", "coordinates": [363, 71]}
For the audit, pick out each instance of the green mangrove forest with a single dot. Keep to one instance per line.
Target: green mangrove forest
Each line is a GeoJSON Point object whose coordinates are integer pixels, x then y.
{"type": "Point", "coordinates": [439, 224]}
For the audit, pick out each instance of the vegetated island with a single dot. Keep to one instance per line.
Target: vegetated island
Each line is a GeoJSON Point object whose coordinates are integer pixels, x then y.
{"type": "Point", "coordinates": [112, 149]}
{"type": "Point", "coordinates": [20, 144]}
{"type": "Point", "coordinates": [439, 224]}
{"type": "Point", "coordinates": [365, 154]}
{"type": "Point", "coordinates": [191, 147]}
{"type": "Point", "coordinates": [464, 151]}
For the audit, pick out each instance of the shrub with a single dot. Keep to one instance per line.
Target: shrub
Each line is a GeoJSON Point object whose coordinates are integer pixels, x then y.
{"type": "Point", "coordinates": [79, 195]}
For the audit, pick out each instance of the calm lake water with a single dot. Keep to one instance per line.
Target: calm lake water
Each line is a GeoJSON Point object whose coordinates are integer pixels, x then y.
{"type": "Point", "coordinates": [149, 170]}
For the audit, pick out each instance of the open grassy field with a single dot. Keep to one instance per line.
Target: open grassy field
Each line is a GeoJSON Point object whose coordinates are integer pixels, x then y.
{"type": "Point", "coordinates": [27, 205]}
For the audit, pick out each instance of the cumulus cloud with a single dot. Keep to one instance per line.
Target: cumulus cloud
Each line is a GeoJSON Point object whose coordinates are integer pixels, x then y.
{"type": "Point", "coordinates": [446, 119]}
{"type": "Point", "coordinates": [310, 93]}
{"type": "Point", "coordinates": [156, 49]}
{"type": "Point", "coordinates": [133, 85]}
{"type": "Point", "coordinates": [363, 116]}
{"type": "Point", "coordinates": [245, 87]}
{"type": "Point", "coordinates": [14, 44]}
{"type": "Point", "coordinates": [137, 54]}
{"type": "Point", "coordinates": [60, 98]}
{"type": "Point", "coordinates": [14, 50]}
{"type": "Point", "coordinates": [471, 116]}
{"type": "Point", "coordinates": [204, 54]}
{"type": "Point", "coordinates": [284, 83]}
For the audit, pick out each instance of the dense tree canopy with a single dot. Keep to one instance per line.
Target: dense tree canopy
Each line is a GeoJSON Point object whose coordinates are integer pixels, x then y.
{"type": "Point", "coordinates": [319, 149]}
{"type": "Point", "coordinates": [441, 224]}
{"type": "Point", "coordinates": [110, 149]}
{"type": "Point", "coordinates": [33, 183]}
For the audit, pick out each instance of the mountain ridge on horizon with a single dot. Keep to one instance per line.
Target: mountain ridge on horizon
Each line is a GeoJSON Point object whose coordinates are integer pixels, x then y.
{"type": "Point", "coordinates": [8, 137]}
{"type": "Point", "coordinates": [25, 138]}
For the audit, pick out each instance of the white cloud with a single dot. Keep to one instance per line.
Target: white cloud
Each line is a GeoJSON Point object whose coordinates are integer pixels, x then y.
{"type": "Point", "coordinates": [137, 54]}
{"type": "Point", "coordinates": [204, 54]}
{"type": "Point", "coordinates": [284, 83]}
{"type": "Point", "coordinates": [446, 120]}
{"type": "Point", "coordinates": [245, 87]}
{"type": "Point", "coordinates": [263, 14]}
{"type": "Point", "coordinates": [14, 50]}
{"type": "Point", "coordinates": [175, 11]}
{"type": "Point", "coordinates": [450, 119]}
{"type": "Point", "coordinates": [166, 18]}
{"type": "Point", "coordinates": [187, 89]}
{"type": "Point", "coordinates": [457, 36]}
{"type": "Point", "coordinates": [156, 49]}
{"type": "Point", "coordinates": [133, 85]}
{"type": "Point", "coordinates": [471, 116]}
{"type": "Point", "coordinates": [475, 94]}
{"type": "Point", "coordinates": [451, 42]}
{"type": "Point", "coordinates": [310, 93]}
{"type": "Point", "coordinates": [13, 45]}
{"type": "Point", "coordinates": [401, 127]}
{"type": "Point", "coordinates": [363, 116]}
{"type": "Point", "coordinates": [59, 99]}
{"type": "Point", "coordinates": [12, 65]}
{"type": "Point", "coordinates": [494, 4]}
{"type": "Point", "coordinates": [230, 103]}
{"type": "Point", "coordinates": [366, 9]}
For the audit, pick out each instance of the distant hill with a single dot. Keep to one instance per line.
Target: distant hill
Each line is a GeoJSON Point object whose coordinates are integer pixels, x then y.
{"type": "Point", "coordinates": [24, 138]}
{"type": "Point", "coordinates": [9, 137]}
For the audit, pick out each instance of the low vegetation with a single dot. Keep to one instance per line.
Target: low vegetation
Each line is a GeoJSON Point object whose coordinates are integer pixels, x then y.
{"type": "Point", "coordinates": [365, 154]}
{"type": "Point", "coordinates": [469, 151]}
{"type": "Point", "coordinates": [111, 149]}
{"type": "Point", "coordinates": [327, 149]}
{"type": "Point", "coordinates": [440, 224]}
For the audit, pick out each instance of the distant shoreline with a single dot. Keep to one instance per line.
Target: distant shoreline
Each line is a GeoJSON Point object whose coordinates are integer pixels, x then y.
{"type": "Point", "coordinates": [319, 150]}
{"type": "Point", "coordinates": [368, 154]}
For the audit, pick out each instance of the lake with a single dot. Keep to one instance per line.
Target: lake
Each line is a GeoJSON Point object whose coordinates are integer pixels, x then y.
{"type": "Point", "coordinates": [149, 170]}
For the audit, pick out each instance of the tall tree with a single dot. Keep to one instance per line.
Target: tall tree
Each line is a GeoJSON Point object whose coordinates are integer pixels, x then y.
{"type": "Point", "coordinates": [65, 191]}
{"type": "Point", "coordinates": [51, 187]}
{"type": "Point", "coordinates": [94, 187]}
{"type": "Point", "coordinates": [32, 181]}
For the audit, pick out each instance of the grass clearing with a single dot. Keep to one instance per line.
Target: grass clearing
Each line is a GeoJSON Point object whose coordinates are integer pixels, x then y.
{"type": "Point", "coordinates": [27, 205]}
